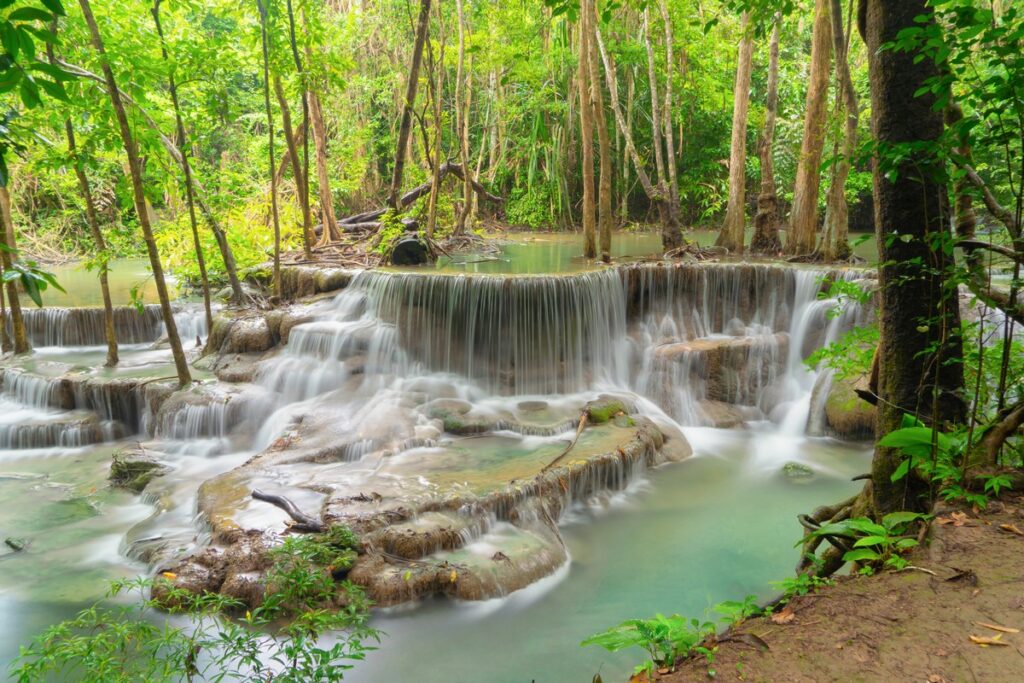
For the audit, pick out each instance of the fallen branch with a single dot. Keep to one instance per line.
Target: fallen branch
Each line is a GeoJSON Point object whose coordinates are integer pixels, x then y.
{"type": "Point", "coordinates": [303, 522]}
{"type": "Point", "coordinates": [579, 430]}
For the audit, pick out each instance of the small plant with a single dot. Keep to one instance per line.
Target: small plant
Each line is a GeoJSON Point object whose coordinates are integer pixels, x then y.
{"type": "Point", "coordinates": [736, 612]}
{"type": "Point", "coordinates": [128, 644]}
{"type": "Point", "coordinates": [391, 228]}
{"type": "Point", "coordinates": [801, 584]}
{"type": "Point", "coordinates": [873, 543]}
{"type": "Point", "coordinates": [666, 639]}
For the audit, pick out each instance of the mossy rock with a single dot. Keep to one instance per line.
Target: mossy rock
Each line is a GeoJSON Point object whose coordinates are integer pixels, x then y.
{"type": "Point", "coordinates": [133, 470]}
{"type": "Point", "coordinates": [849, 416]}
{"type": "Point", "coordinates": [604, 409]}
{"type": "Point", "coordinates": [796, 470]}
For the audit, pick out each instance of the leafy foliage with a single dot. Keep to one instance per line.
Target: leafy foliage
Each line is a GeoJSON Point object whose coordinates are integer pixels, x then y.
{"type": "Point", "coordinates": [324, 627]}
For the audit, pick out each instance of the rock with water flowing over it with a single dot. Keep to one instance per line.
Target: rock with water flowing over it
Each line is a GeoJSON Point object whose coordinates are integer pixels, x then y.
{"type": "Point", "coordinates": [432, 514]}
{"type": "Point", "coordinates": [133, 468]}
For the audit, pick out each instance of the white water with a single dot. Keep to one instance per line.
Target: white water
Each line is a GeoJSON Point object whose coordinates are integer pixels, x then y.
{"type": "Point", "coordinates": [391, 342]}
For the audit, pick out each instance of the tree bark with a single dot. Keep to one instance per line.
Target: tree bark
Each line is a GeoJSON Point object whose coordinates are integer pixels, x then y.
{"type": "Point", "coordinates": [604, 145]}
{"type": "Point", "coordinates": [671, 236]}
{"type": "Point", "coordinates": [436, 77]}
{"type": "Point", "coordinates": [265, 42]}
{"type": "Point", "coordinates": [766, 221]}
{"type": "Point", "coordinates": [7, 241]}
{"type": "Point", "coordinates": [410, 99]}
{"type": "Point", "coordinates": [186, 169]}
{"type": "Point", "coordinates": [588, 217]}
{"type": "Point", "coordinates": [139, 195]}
{"type": "Point", "coordinates": [463, 95]}
{"type": "Point", "coordinates": [298, 170]}
{"type": "Point", "coordinates": [670, 153]}
{"type": "Point", "coordinates": [803, 220]}
{"type": "Point", "coordinates": [918, 310]}
{"type": "Point", "coordinates": [835, 244]}
{"type": "Point", "coordinates": [731, 235]}
{"type": "Point", "coordinates": [109, 331]}
{"type": "Point", "coordinates": [303, 173]}
{"type": "Point", "coordinates": [656, 122]}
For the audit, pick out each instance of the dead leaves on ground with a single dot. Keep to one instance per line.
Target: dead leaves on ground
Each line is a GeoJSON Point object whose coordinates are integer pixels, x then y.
{"type": "Point", "coordinates": [955, 518]}
{"type": "Point", "coordinates": [985, 641]}
{"type": "Point", "coordinates": [1011, 529]}
{"type": "Point", "coordinates": [784, 616]}
{"type": "Point", "coordinates": [996, 627]}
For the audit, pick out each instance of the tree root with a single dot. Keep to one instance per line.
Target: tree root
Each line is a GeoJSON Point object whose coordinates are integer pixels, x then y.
{"type": "Point", "coordinates": [303, 522]}
{"type": "Point", "coordinates": [579, 430]}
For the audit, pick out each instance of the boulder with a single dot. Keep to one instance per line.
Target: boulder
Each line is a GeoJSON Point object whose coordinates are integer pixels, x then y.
{"type": "Point", "coordinates": [133, 468]}
{"type": "Point", "coordinates": [847, 415]}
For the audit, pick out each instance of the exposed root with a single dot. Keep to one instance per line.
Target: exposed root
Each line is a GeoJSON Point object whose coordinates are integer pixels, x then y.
{"type": "Point", "coordinates": [303, 522]}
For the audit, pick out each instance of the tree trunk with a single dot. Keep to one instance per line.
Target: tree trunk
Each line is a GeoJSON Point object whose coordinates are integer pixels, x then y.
{"type": "Point", "coordinates": [731, 235]}
{"type": "Point", "coordinates": [766, 221]}
{"type": "Point", "coordinates": [109, 331]}
{"type": "Point", "coordinates": [436, 76]}
{"type": "Point", "coordinates": [407, 105]}
{"type": "Point", "coordinates": [135, 170]}
{"type": "Point", "coordinates": [670, 152]}
{"type": "Point", "coordinates": [298, 169]}
{"type": "Point", "coordinates": [586, 130]}
{"type": "Point", "coordinates": [652, 83]}
{"type": "Point", "coordinates": [186, 169]}
{"type": "Point", "coordinates": [265, 42]}
{"type": "Point", "coordinates": [671, 237]}
{"type": "Point", "coordinates": [463, 95]}
{"type": "Point", "coordinates": [835, 245]}
{"type": "Point", "coordinates": [7, 241]}
{"type": "Point", "coordinates": [303, 173]}
{"type": "Point", "coordinates": [918, 310]}
{"type": "Point", "coordinates": [803, 220]}
{"type": "Point", "coordinates": [604, 145]}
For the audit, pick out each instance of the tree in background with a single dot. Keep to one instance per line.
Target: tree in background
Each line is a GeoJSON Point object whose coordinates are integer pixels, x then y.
{"type": "Point", "coordinates": [731, 235]}
{"type": "Point", "coordinates": [766, 221]}
{"type": "Point", "coordinates": [803, 219]}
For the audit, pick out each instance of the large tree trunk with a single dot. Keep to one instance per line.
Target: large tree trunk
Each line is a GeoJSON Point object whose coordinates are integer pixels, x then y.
{"type": "Point", "coordinates": [463, 96]}
{"type": "Point", "coordinates": [186, 169]}
{"type": "Point", "coordinates": [330, 222]}
{"type": "Point", "coordinates": [586, 131]}
{"type": "Point", "coordinates": [109, 331]}
{"type": "Point", "coordinates": [656, 122]}
{"type": "Point", "coordinates": [410, 99]}
{"type": "Point", "coordinates": [671, 236]}
{"type": "Point", "coordinates": [803, 220]}
{"type": "Point", "coordinates": [731, 235]}
{"type": "Point", "coordinates": [670, 152]}
{"type": "Point", "coordinates": [436, 77]}
{"type": "Point", "coordinates": [265, 41]}
{"type": "Point", "coordinates": [7, 247]}
{"type": "Point", "coordinates": [292, 144]}
{"type": "Point", "coordinates": [604, 145]}
{"type": "Point", "coordinates": [766, 221]}
{"type": "Point", "coordinates": [918, 309]}
{"type": "Point", "coordinates": [139, 195]}
{"type": "Point", "coordinates": [835, 245]}
{"type": "Point", "coordinates": [301, 174]}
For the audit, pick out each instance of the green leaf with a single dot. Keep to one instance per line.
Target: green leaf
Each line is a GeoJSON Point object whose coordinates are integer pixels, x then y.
{"type": "Point", "coordinates": [29, 14]}
{"type": "Point", "coordinates": [32, 289]}
{"type": "Point", "coordinates": [55, 7]}
{"type": "Point", "coordinates": [898, 519]}
{"type": "Point", "coordinates": [861, 555]}
{"type": "Point", "coordinates": [871, 540]}
{"type": "Point", "coordinates": [901, 471]}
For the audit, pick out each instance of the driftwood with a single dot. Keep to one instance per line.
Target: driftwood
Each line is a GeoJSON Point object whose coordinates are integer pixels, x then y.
{"type": "Point", "coordinates": [368, 219]}
{"type": "Point", "coordinates": [303, 522]}
{"type": "Point", "coordinates": [579, 430]}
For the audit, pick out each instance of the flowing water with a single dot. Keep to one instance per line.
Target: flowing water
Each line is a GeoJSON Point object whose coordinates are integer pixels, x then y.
{"type": "Point", "coordinates": [685, 345]}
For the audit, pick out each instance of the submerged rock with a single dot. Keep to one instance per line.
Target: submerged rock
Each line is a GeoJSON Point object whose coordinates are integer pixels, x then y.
{"type": "Point", "coordinates": [796, 470]}
{"type": "Point", "coordinates": [133, 468]}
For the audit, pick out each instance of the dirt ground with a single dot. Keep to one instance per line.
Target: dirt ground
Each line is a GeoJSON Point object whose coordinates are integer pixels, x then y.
{"type": "Point", "coordinates": [912, 625]}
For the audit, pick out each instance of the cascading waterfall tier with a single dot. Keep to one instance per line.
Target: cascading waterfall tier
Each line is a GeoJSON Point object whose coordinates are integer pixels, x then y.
{"type": "Point", "coordinates": [424, 410]}
{"type": "Point", "coordinates": [78, 327]}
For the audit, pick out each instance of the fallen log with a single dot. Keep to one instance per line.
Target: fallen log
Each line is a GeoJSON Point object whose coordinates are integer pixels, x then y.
{"type": "Point", "coordinates": [367, 217]}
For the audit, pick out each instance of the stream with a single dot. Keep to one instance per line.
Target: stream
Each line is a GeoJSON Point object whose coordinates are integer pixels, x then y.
{"type": "Point", "coordinates": [678, 537]}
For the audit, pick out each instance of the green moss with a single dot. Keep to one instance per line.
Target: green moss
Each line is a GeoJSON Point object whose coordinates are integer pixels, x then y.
{"type": "Point", "coordinates": [133, 471]}
{"type": "Point", "coordinates": [604, 409]}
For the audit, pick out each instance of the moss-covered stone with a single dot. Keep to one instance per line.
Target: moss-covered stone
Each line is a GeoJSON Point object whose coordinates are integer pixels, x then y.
{"type": "Point", "coordinates": [133, 469]}
{"type": "Point", "coordinates": [796, 470]}
{"type": "Point", "coordinates": [604, 409]}
{"type": "Point", "coordinates": [849, 416]}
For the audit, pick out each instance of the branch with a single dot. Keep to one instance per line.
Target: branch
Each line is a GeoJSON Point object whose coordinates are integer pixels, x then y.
{"type": "Point", "coordinates": [303, 522]}
{"type": "Point", "coordinates": [1001, 214]}
{"type": "Point", "coordinates": [1012, 254]}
